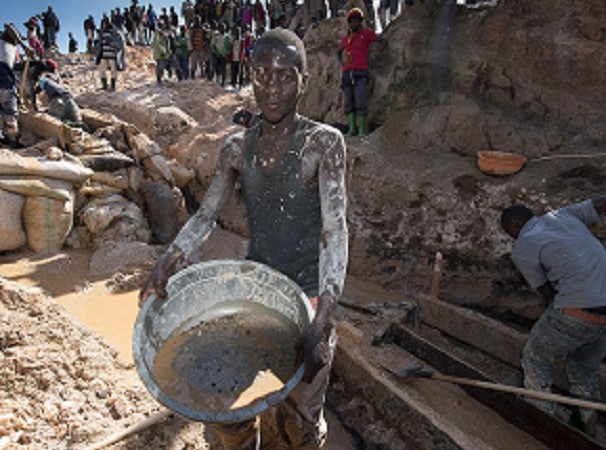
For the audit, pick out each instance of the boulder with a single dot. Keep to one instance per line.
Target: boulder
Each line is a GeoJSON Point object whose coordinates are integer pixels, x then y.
{"type": "Point", "coordinates": [99, 213]}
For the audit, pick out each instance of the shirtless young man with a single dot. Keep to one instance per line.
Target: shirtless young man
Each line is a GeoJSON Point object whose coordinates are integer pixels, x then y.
{"type": "Point", "coordinates": [292, 174]}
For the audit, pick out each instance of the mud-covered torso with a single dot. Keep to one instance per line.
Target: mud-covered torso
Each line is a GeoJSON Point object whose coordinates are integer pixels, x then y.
{"type": "Point", "coordinates": [284, 214]}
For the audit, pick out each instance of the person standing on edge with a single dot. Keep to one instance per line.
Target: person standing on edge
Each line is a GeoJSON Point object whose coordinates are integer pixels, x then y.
{"type": "Point", "coordinates": [51, 28]}
{"type": "Point", "coordinates": [181, 52]}
{"type": "Point", "coordinates": [9, 96]}
{"type": "Point", "coordinates": [73, 43]}
{"type": "Point", "coordinates": [162, 50]}
{"type": "Point", "coordinates": [356, 46]}
{"type": "Point", "coordinates": [560, 258]}
{"type": "Point", "coordinates": [198, 48]}
{"type": "Point", "coordinates": [107, 54]}
{"type": "Point", "coordinates": [292, 176]}
{"type": "Point", "coordinates": [235, 58]}
{"type": "Point", "coordinates": [89, 31]}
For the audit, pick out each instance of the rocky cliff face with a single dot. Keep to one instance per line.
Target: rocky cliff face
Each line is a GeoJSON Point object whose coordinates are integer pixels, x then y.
{"type": "Point", "coordinates": [538, 63]}
{"type": "Point", "coordinates": [526, 77]}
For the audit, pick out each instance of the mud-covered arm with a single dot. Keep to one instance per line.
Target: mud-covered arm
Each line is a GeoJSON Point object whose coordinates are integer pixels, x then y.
{"type": "Point", "coordinates": [198, 227]}
{"type": "Point", "coordinates": [315, 343]}
{"type": "Point", "coordinates": [333, 243]}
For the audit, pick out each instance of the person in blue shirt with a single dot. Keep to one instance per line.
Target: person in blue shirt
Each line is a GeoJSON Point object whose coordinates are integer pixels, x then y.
{"type": "Point", "coordinates": [61, 102]}
{"type": "Point", "coordinates": [559, 257]}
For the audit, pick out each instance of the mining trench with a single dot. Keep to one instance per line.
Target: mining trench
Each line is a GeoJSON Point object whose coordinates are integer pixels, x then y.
{"type": "Point", "coordinates": [367, 406]}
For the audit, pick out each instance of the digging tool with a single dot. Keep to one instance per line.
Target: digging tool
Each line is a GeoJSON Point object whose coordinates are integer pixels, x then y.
{"type": "Point", "coordinates": [22, 83]}
{"type": "Point", "coordinates": [436, 275]}
{"type": "Point", "coordinates": [139, 426]}
{"type": "Point", "coordinates": [419, 372]}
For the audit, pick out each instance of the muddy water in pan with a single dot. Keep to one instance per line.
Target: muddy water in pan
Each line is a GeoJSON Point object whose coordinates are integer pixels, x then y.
{"type": "Point", "coordinates": [230, 361]}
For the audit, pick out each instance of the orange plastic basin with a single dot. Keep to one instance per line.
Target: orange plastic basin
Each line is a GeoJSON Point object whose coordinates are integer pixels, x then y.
{"type": "Point", "coordinates": [494, 162]}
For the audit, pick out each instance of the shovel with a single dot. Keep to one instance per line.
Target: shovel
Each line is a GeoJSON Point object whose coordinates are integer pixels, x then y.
{"type": "Point", "coordinates": [418, 372]}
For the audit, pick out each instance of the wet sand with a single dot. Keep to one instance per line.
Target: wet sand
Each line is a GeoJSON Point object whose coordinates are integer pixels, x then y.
{"type": "Point", "coordinates": [65, 276]}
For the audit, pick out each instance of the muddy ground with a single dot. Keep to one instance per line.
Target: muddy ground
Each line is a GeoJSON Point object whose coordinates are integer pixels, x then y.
{"type": "Point", "coordinates": [67, 377]}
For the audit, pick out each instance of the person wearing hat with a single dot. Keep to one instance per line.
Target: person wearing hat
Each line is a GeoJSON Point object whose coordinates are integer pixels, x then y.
{"type": "Point", "coordinates": [353, 54]}
{"type": "Point", "coordinates": [9, 96]}
{"type": "Point", "coordinates": [33, 32]}
{"type": "Point", "coordinates": [61, 102]}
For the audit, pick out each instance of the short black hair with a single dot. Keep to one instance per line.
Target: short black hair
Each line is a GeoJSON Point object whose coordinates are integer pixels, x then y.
{"type": "Point", "coordinates": [284, 38]}
{"type": "Point", "coordinates": [519, 214]}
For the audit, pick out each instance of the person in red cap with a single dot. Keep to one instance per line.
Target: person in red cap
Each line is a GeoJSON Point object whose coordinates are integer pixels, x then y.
{"type": "Point", "coordinates": [353, 54]}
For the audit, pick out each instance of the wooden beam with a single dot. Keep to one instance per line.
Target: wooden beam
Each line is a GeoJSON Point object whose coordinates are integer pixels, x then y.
{"type": "Point", "coordinates": [534, 421]}
{"type": "Point", "coordinates": [484, 333]}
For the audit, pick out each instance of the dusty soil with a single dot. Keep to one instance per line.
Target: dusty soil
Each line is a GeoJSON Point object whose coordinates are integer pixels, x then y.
{"type": "Point", "coordinates": [414, 189]}
{"type": "Point", "coordinates": [68, 379]}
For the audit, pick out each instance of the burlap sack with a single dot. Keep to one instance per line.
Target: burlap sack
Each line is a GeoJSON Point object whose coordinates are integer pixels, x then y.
{"type": "Point", "coordinates": [47, 222]}
{"type": "Point", "coordinates": [12, 235]}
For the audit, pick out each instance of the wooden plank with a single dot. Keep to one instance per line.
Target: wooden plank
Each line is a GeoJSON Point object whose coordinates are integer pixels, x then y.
{"type": "Point", "coordinates": [545, 428]}
{"type": "Point", "coordinates": [401, 412]}
{"type": "Point", "coordinates": [482, 332]}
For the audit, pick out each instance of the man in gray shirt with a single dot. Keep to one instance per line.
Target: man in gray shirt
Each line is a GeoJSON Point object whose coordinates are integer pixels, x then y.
{"type": "Point", "coordinates": [557, 255]}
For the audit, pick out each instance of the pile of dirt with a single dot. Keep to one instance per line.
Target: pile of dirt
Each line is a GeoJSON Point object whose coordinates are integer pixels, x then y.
{"type": "Point", "coordinates": [62, 386]}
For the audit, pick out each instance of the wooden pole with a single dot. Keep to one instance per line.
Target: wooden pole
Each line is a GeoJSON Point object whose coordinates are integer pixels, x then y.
{"type": "Point", "coordinates": [139, 426]}
{"type": "Point", "coordinates": [436, 275]}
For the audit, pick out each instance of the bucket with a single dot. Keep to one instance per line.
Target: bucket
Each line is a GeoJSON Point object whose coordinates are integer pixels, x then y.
{"type": "Point", "coordinates": [495, 162]}
{"type": "Point", "coordinates": [221, 348]}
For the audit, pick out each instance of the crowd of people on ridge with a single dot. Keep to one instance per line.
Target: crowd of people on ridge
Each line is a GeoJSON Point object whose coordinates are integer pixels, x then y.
{"type": "Point", "coordinates": [209, 38]}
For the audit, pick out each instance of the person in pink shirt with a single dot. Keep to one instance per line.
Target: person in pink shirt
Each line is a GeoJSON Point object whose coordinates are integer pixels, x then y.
{"type": "Point", "coordinates": [33, 30]}
{"type": "Point", "coordinates": [353, 54]}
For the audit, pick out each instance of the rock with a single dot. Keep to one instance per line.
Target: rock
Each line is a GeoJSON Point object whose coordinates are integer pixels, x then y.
{"type": "Point", "coordinates": [100, 213]}
{"type": "Point", "coordinates": [107, 162]}
{"type": "Point", "coordinates": [149, 154]}
{"type": "Point", "coordinates": [162, 211]}
{"type": "Point", "coordinates": [113, 257]}
{"type": "Point", "coordinates": [54, 153]}
{"type": "Point", "coordinates": [181, 174]}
